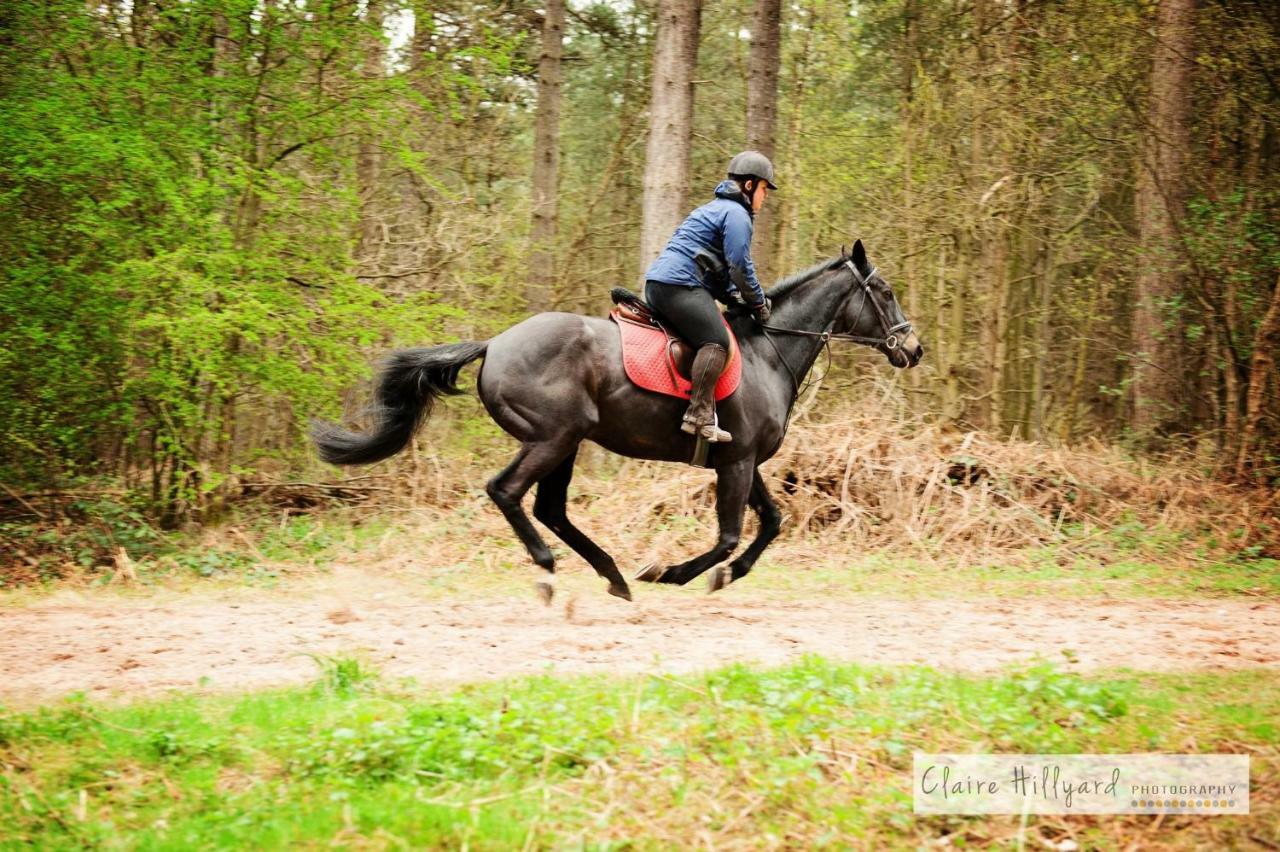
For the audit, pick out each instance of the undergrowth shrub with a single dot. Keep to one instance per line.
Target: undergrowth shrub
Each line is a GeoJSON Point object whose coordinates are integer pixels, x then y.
{"type": "Point", "coordinates": [79, 534]}
{"type": "Point", "coordinates": [847, 483]}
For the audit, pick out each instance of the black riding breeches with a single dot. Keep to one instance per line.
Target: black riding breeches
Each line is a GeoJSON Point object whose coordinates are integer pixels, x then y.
{"type": "Point", "coordinates": [690, 311]}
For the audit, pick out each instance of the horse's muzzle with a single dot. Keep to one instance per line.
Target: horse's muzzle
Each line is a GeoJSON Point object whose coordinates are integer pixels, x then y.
{"type": "Point", "coordinates": [906, 354]}
{"type": "Point", "coordinates": [914, 350]}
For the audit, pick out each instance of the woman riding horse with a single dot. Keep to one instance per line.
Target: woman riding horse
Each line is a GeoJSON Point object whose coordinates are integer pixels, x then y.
{"type": "Point", "coordinates": [709, 258]}
{"type": "Point", "coordinates": [558, 379]}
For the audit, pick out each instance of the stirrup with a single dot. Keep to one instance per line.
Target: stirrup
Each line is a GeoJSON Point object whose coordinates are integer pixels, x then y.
{"type": "Point", "coordinates": [708, 431]}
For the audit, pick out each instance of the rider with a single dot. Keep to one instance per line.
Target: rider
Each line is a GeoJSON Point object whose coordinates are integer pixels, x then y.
{"type": "Point", "coordinates": [709, 258]}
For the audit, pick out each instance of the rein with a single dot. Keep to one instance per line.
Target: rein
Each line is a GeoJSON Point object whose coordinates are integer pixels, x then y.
{"type": "Point", "coordinates": [889, 341]}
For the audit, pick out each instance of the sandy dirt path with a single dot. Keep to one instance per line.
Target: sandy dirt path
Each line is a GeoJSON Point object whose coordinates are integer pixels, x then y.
{"type": "Point", "coordinates": [127, 647]}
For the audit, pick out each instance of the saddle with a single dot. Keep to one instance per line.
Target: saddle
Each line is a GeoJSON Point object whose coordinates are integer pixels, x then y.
{"type": "Point", "coordinates": [658, 360]}
{"type": "Point", "coordinates": [631, 307]}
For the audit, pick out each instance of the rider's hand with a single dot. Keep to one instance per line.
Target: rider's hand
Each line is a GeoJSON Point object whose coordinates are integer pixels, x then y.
{"type": "Point", "coordinates": [761, 311]}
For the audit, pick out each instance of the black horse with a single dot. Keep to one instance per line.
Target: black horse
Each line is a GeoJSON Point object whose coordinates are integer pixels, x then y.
{"type": "Point", "coordinates": [556, 379]}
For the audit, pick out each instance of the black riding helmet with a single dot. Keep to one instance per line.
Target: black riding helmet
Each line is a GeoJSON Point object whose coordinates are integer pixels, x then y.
{"type": "Point", "coordinates": [752, 164]}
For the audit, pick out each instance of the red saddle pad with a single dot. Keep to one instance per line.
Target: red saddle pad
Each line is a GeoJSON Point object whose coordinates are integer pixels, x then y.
{"type": "Point", "coordinates": [649, 364]}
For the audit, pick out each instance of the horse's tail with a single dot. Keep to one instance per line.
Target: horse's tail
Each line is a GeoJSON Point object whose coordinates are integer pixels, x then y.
{"type": "Point", "coordinates": [410, 383]}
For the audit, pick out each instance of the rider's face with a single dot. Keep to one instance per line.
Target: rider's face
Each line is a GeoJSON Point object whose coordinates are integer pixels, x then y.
{"type": "Point", "coordinates": [758, 195]}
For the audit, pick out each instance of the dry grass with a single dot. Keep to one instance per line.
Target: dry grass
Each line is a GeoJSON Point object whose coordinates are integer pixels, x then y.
{"type": "Point", "coordinates": [880, 483]}
{"type": "Point", "coordinates": [860, 483]}
{"type": "Point", "coordinates": [847, 483]}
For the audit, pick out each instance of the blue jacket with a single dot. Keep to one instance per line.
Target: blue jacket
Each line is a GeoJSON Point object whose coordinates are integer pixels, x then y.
{"type": "Point", "coordinates": [723, 228]}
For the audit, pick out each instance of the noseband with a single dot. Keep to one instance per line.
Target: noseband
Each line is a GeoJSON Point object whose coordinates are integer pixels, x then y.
{"type": "Point", "coordinates": [893, 334]}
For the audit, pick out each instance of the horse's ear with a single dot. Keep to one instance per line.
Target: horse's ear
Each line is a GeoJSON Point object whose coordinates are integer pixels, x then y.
{"type": "Point", "coordinates": [859, 255]}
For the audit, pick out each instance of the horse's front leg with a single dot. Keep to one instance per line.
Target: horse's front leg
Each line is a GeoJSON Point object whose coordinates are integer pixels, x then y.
{"type": "Point", "coordinates": [733, 483]}
{"type": "Point", "coordinates": [770, 524]}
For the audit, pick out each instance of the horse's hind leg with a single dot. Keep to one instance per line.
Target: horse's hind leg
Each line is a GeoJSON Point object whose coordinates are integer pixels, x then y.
{"type": "Point", "coordinates": [507, 489]}
{"type": "Point", "coordinates": [770, 525]}
{"type": "Point", "coordinates": [549, 507]}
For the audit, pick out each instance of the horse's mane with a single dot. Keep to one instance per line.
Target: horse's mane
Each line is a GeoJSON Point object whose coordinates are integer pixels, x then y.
{"type": "Point", "coordinates": [738, 315]}
{"type": "Point", "coordinates": [791, 282]}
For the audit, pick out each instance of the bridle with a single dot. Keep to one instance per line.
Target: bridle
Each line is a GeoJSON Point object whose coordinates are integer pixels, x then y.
{"type": "Point", "coordinates": [893, 334]}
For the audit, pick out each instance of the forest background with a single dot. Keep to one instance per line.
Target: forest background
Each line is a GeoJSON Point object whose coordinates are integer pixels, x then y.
{"type": "Point", "coordinates": [217, 214]}
{"type": "Point", "coordinates": [1059, 534]}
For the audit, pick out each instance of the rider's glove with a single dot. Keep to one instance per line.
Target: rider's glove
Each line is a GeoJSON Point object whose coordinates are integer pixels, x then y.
{"type": "Point", "coordinates": [761, 311]}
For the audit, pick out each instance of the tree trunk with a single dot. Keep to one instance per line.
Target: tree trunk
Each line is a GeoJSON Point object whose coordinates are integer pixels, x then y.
{"type": "Point", "coordinates": [990, 171]}
{"type": "Point", "coordinates": [762, 116]}
{"type": "Point", "coordinates": [910, 273]}
{"type": "Point", "coordinates": [1261, 371]}
{"type": "Point", "coordinates": [1160, 204]}
{"type": "Point", "coordinates": [666, 168]}
{"type": "Point", "coordinates": [1067, 430]}
{"type": "Point", "coordinates": [546, 160]}
{"type": "Point", "coordinates": [1047, 272]}
{"type": "Point", "coordinates": [786, 237]}
{"type": "Point", "coordinates": [949, 322]}
{"type": "Point", "coordinates": [368, 155]}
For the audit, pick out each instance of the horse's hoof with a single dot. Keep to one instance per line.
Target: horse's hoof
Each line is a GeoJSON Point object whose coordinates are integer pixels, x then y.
{"type": "Point", "coordinates": [650, 573]}
{"type": "Point", "coordinates": [620, 592]}
{"type": "Point", "coordinates": [721, 576]}
{"type": "Point", "coordinates": [546, 591]}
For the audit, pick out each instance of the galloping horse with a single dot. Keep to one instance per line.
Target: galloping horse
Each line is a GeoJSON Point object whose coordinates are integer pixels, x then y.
{"type": "Point", "coordinates": [557, 379]}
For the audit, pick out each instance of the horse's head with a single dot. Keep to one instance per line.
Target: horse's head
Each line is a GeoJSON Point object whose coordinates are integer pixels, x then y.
{"type": "Point", "coordinates": [872, 314]}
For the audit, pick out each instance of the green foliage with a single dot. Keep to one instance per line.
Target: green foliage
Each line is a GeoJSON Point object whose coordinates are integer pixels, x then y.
{"type": "Point", "coordinates": [177, 232]}
{"type": "Point", "coordinates": [307, 536]}
{"type": "Point", "coordinates": [67, 724]}
{"type": "Point", "coordinates": [1237, 240]}
{"type": "Point", "coordinates": [1054, 696]}
{"type": "Point", "coordinates": [174, 746]}
{"type": "Point", "coordinates": [208, 562]}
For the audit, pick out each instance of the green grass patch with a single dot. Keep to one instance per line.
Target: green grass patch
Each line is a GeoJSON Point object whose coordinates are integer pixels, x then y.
{"type": "Point", "coordinates": [808, 755]}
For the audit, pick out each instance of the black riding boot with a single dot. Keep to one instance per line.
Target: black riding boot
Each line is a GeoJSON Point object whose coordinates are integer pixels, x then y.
{"type": "Point", "coordinates": [700, 419]}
